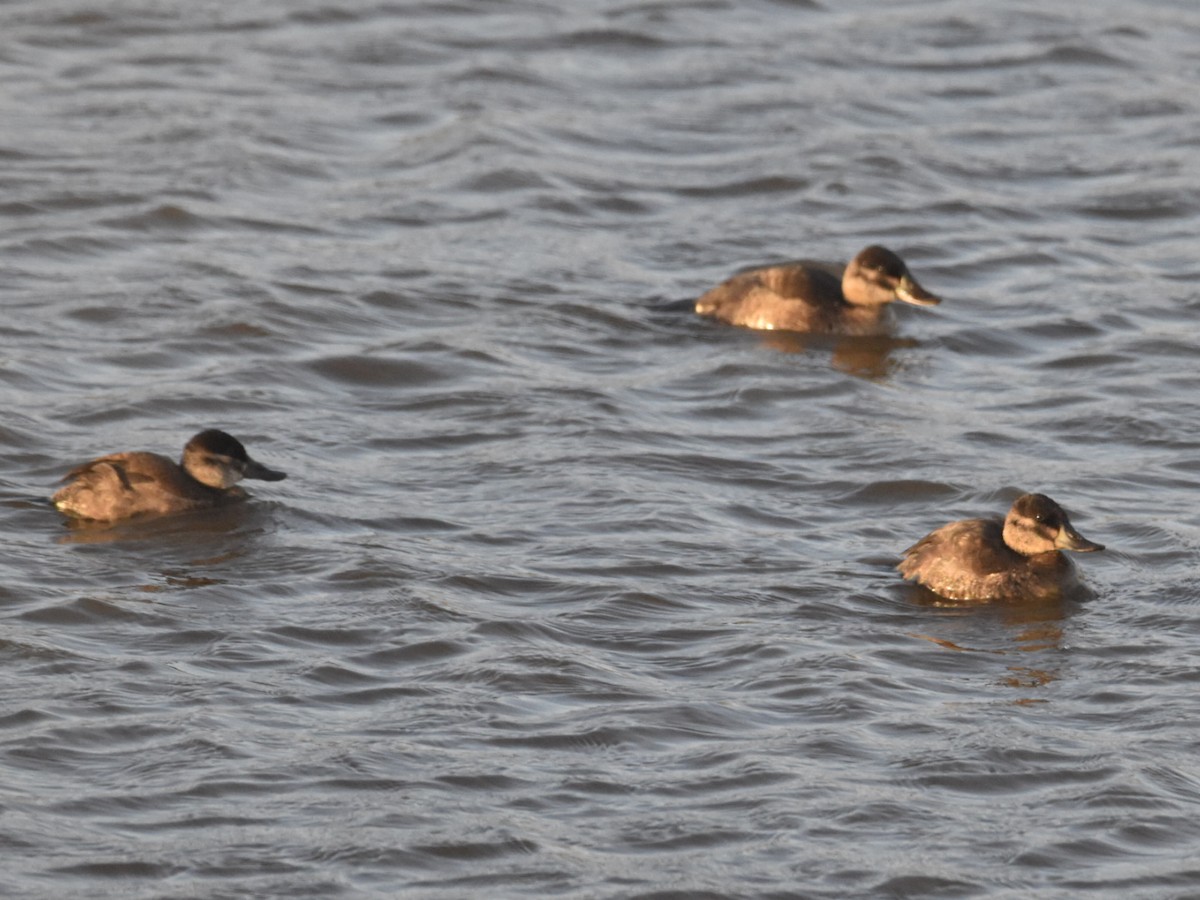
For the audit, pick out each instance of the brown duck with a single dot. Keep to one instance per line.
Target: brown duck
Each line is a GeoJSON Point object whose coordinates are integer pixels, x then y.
{"type": "Point", "coordinates": [124, 485]}
{"type": "Point", "coordinates": [809, 297]}
{"type": "Point", "coordinates": [985, 559]}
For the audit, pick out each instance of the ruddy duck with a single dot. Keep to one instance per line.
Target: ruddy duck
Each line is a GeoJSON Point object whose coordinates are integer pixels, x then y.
{"type": "Point", "coordinates": [123, 485]}
{"type": "Point", "coordinates": [982, 559]}
{"type": "Point", "coordinates": [806, 297]}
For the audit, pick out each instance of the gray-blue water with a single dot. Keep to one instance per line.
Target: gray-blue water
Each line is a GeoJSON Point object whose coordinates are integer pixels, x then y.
{"type": "Point", "coordinates": [570, 593]}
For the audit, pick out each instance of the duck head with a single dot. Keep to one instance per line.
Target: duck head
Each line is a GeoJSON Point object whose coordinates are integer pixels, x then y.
{"type": "Point", "coordinates": [220, 461]}
{"type": "Point", "coordinates": [877, 276]}
{"type": "Point", "coordinates": [1036, 524]}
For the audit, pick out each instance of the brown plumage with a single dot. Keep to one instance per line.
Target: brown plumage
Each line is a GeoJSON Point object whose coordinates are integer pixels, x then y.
{"type": "Point", "coordinates": [809, 297]}
{"type": "Point", "coordinates": [984, 559]}
{"type": "Point", "coordinates": [123, 485]}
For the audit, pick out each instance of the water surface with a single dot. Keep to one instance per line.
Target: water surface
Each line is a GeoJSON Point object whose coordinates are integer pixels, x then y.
{"type": "Point", "coordinates": [570, 593]}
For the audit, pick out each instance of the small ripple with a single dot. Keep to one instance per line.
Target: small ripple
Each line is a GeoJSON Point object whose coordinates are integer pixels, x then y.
{"type": "Point", "coordinates": [167, 217]}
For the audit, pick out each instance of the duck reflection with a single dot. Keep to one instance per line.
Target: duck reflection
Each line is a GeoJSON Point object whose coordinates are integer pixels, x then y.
{"type": "Point", "coordinates": [863, 356]}
{"type": "Point", "coordinates": [183, 531]}
{"type": "Point", "coordinates": [1036, 627]}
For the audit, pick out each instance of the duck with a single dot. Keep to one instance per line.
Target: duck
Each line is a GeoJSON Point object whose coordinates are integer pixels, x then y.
{"type": "Point", "coordinates": [982, 560]}
{"type": "Point", "coordinates": [125, 485]}
{"type": "Point", "coordinates": [810, 297]}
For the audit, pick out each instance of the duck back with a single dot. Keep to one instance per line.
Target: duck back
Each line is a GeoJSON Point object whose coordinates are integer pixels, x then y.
{"type": "Point", "coordinates": [122, 485]}
{"type": "Point", "coordinates": [789, 297]}
{"type": "Point", "coordinates": [969, 560]}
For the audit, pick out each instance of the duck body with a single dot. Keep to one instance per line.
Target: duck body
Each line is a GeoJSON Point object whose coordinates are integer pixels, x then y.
{"type": "Point", "coordinates": [125, 485]}
{"type": "Point", "coordinates": [984, 560]}
{"type": "Point", "coordinates": [810, 297]}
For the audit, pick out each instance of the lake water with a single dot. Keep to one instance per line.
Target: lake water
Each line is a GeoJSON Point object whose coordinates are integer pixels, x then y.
{"type": "Point", "coordinates": [571, 593]}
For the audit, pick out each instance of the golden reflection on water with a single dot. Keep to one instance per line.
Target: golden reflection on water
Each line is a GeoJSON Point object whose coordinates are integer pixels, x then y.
{"type": "Point", "coordinates": [177, 527]}
{"type": "Point", "coordinates": [864, 356]}
{"type": "Point", "coordinates": [1035, 626]}
{"type": "Point", "coordinates": [179, 581]}
{"type": "Point", "coordinates": [183, 538]}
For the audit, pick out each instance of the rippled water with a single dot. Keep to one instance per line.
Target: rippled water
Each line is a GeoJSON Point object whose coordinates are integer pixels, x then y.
{"type": "Point", "coordinates": [570, 593]}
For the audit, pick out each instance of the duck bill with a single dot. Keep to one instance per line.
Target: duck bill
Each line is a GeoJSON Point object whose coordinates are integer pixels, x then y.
{"type": "Point", "coordinates": [910, 291]}
{"type": "Point", "coordinates": [1070, 539]}
{"type": "Point", "coordinates": [262, 473]}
